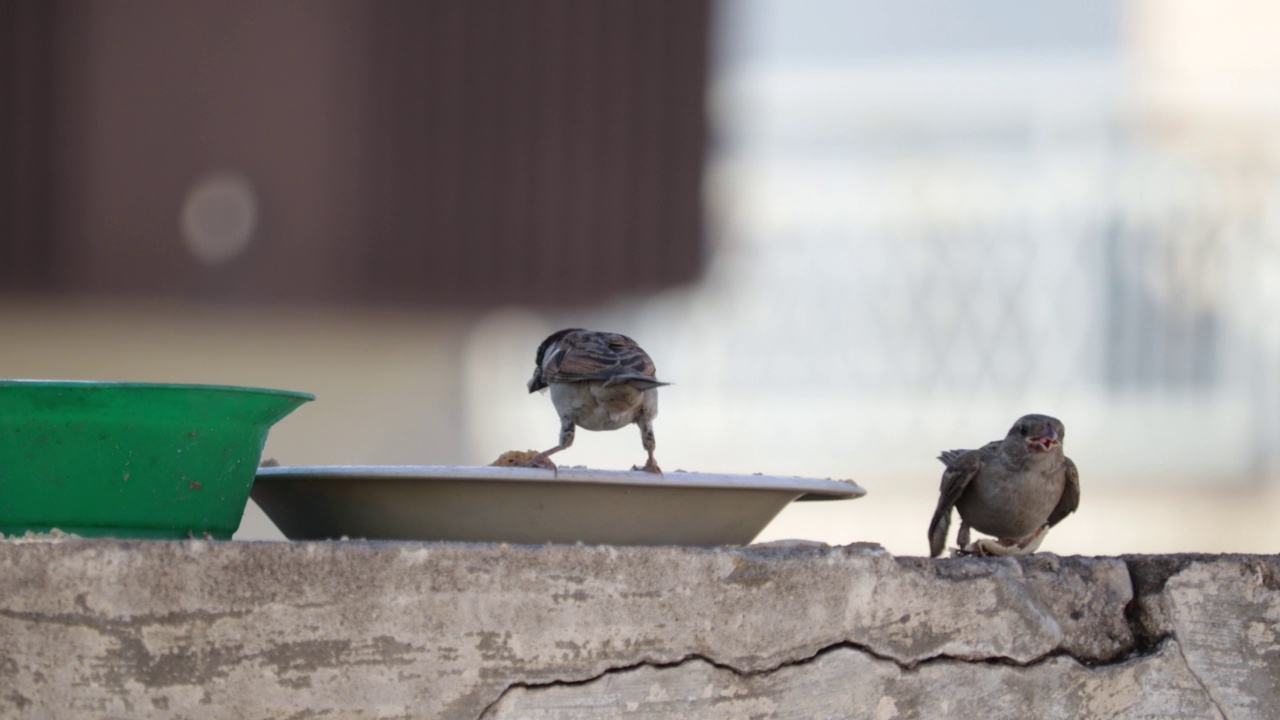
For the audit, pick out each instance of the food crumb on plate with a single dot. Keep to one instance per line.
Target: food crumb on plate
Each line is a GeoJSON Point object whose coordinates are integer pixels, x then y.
{"type": "Point", "coordinates": [521, 458]}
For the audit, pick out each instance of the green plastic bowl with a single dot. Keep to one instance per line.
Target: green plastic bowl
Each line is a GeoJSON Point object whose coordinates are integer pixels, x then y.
{"type": "Point", "coordinates": [131, 460]}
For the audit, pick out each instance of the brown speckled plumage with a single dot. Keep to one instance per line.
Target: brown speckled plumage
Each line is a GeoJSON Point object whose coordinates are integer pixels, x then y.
{"type": "Point", "coordinates": [598, 381]}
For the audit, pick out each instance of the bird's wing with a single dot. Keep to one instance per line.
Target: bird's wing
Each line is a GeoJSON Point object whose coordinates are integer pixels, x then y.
{"type": "Point", "coordinates": [1070, 499]}
{"type": "Point", "coordinates": [950, 456]}
{"type": "Point", "coordinates": [585, 356]}
{"type": "Point", "coordinates": [961, 469]}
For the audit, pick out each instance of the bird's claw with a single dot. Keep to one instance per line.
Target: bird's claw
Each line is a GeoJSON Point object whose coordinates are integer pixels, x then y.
{"type": "Point", "coordinates": [984, 547]}
{"type": "Point", "coordinates": [545, 464]}
{"type": "Point", "coordinates": [540, 461]}
{"type": "Point", "coordinates": [651, 466]}
{"type": "Point", "coordinates": [977, 548]}
{"type": "Point", "coordinates": [1004, 547]}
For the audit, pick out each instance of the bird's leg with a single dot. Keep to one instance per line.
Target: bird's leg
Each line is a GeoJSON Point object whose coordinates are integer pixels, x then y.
{"type": "Point", "coordinates": [982, 547]}
{"type": "Point", "coordinates": [962, 538]}
{"type": "Point", "coordinates": [1031, 543]}
{"type": "Point", "coordinates": [567, 430]}
{"type": "Point", "coordinates": [650, 466]}
{"type": "Point", "coordinates": [647, 439]}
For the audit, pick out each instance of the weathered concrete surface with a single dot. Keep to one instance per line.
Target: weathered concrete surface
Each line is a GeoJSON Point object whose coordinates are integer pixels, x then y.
{"type": "Point", "coordinates": [412, 630]}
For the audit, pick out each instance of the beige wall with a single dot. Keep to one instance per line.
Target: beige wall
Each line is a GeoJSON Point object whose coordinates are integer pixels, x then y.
{"type": "Point", "coordinates": [422, 388]}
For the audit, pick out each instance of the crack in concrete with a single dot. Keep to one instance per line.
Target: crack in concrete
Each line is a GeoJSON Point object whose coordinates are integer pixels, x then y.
{"type": "Point", "coordinates": [1147, 615]}
{"type": "Point", "coordinates": [818, 654]}
{"type": "Point", "coordinates": [562, 682]}
{"type": "Point", "coordinates": [1149, 635]}
{"type": "Point", "coordinates": [1208, 692]}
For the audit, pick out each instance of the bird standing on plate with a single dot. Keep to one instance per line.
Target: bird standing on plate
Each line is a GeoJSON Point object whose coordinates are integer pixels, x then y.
{"type": "Point", "coordinates": [599, 381]}
{"type": "Point", "coordinates": [1015, 489]}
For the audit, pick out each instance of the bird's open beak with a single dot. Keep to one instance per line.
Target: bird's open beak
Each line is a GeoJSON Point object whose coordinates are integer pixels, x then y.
{"type": "Point", "coordinates": [1044, 441]}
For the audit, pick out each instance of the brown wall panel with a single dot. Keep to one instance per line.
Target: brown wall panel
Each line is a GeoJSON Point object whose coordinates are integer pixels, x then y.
{"type": "Point", "coordinates": [547, 151]}
{"type": "Point", "coordinates": [27, 29]}
{"type": "Point", "coordinates": [454, 152]}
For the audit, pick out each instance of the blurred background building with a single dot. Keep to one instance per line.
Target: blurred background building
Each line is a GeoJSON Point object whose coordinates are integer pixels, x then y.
{"type": "Point", "coordinates": [851, 233]}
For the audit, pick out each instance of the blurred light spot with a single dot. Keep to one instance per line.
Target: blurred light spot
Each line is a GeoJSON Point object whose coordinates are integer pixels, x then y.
{"type": "Point", "coordinates": [219, 216]}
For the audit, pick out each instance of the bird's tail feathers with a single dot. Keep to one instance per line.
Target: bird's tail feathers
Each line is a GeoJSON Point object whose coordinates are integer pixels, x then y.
{"type": "Point", "coordinates": [948, 457]}
{"type": "Point", "coordinates": [938, 529]}
{"type": "Point", "coordinates": [635, 380]}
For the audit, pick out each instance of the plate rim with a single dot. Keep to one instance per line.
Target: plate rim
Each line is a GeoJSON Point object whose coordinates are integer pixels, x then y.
{"type": "Point", "coordinates": [577, 475]}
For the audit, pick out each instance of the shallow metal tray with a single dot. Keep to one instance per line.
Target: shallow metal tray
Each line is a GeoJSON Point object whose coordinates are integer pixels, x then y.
{"type": "Point", "coordinates": [529, 505]}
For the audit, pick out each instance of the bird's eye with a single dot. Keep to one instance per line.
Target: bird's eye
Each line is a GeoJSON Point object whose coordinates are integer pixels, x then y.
{"type": "Point", "coordinates": [1023, 429]}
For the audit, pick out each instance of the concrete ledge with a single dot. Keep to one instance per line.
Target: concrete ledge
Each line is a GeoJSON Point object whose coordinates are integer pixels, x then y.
{"type": "Point", "coordinates": [411, 630]}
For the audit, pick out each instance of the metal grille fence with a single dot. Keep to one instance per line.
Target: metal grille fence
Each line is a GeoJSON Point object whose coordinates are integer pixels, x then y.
{"type": "Point", "coordinates": [997, 262]}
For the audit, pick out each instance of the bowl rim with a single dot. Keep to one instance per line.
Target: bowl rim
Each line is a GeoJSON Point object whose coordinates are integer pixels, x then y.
{"type": "Point", "coordinates": [114, 384]}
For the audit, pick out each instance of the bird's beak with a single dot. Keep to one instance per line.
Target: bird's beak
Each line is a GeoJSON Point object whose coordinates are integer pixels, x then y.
{"type": "Point", "coordinates": [1045, 440]}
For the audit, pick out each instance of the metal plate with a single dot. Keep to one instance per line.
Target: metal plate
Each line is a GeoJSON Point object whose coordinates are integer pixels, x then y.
{"type": "Point", "coordinates": [529, 505]}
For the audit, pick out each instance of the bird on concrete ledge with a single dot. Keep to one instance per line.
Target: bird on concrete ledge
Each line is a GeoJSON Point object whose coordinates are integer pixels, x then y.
{"type": "Point", "coordinates": [1014, 489]}
{"type": "Point", "coordinates": [598, 381]}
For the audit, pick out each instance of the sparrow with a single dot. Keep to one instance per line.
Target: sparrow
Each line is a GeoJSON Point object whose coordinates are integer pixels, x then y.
{"type": "Point", "coordinates": [598, 381]}
{"type": "Point", "coordinates": [1015, 489]}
